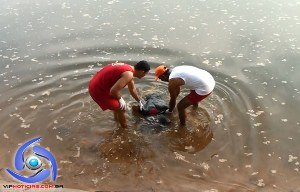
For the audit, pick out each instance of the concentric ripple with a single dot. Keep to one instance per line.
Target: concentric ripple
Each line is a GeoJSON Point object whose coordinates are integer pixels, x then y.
{"type": "Point", "coordinates": [243, 137]}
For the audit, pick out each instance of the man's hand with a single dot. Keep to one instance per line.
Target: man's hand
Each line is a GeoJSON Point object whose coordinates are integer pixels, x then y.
{"type": "Point", "coordinates": [168, 111]}
{"type": "Point", "coordinates": [122, 104]}
{"type": "Point", "coordinates": [141, 104]}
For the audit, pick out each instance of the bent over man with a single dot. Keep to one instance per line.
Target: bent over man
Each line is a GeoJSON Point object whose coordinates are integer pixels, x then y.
{"type": "Point", "coordinates": [200, 82]}
{"type": "Point", "coordinates": [106, 85]}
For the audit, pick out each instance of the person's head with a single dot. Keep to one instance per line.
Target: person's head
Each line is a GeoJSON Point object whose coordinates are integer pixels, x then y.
{"type": "Point", "coordinates": [141, 69]}
{"type": "Point", "coordinates": [162, 73]}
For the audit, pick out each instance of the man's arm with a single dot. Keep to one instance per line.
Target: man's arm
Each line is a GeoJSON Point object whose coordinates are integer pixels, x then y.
{"type": "Point", "coordinates": [133, 91]}
{"type": "Point", "coordinates": [120, 84]}
{"type": "Point", "coordinates": [174, 90]}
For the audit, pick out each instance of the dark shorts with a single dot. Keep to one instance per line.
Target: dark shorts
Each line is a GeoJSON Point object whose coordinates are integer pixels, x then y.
{"type": "Point", "coordinates": [195, 98]}
{"type": "Point", "coordinates": [104, 99]}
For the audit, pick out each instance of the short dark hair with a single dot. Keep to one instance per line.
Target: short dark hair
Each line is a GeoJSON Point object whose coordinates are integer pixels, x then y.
{"type": "Point", "coordinates": [143, 66]}
{"type": "Point", "coordinates": [167, 72]}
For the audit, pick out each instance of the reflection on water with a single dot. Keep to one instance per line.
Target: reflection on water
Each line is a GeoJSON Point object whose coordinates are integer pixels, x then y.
{"type": "Point", "coordinates": [195, 136]}
{"type": "Point", "coordinates": [243, 137]}
{"type": "Point", "coordinates": [125, 146]}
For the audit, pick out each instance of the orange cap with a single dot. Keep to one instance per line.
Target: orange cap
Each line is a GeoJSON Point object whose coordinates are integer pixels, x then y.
{"type": "Point", "coordinates": [159, 71]}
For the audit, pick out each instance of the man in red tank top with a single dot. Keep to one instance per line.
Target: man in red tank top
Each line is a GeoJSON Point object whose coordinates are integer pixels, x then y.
{"type": "Point", "coordinates": [106, 85]}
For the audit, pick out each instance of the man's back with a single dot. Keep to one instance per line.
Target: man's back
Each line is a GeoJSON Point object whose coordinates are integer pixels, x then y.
{"type": "Point", "coordinates": [195, 79]}
{"type": "Point", "coordinates": [109, 75]}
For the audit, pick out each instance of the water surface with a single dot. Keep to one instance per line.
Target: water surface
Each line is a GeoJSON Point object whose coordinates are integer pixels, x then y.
{"type": "Point", "coordinates": [244, 137]}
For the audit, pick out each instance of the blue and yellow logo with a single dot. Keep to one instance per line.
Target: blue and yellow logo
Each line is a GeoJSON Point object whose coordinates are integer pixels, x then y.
{"type": "Point", "coordinates": [34, 163]}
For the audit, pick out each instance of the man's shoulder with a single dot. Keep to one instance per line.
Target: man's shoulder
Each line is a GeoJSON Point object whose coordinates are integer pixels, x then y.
{"type": "Point", "coordinates": [127, 74]}
{"type": "Point", "coordinates": [118, 64]}
{"type": "Point", "coordinates": [187, 67]}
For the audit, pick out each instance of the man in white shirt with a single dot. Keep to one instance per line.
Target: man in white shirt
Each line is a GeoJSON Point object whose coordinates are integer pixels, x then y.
{"type": "Point", "coordinates": [200, 82]}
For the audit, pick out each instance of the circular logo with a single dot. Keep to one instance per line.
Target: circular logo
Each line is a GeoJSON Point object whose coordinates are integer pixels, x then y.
{"type": "Point", "coordinates": [34, 163]}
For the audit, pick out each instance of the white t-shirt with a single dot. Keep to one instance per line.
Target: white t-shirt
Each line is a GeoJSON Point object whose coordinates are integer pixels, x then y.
{"type": "Point", "coordinates": [195, 79]}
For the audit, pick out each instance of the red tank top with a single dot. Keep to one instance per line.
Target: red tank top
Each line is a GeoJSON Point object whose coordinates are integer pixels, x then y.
{"type": "Point", "coordinates": [108, 76]}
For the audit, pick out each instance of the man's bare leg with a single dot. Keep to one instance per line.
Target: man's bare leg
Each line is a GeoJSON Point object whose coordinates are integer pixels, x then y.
{"type": "Point", "coordinates": [116, 116]}
{"type": "Point", "coordinates": [120, 115]}
{"type": "Point", "coordinates": [181, 106]}
{"type": "Point", "coordinates": [195, 105]}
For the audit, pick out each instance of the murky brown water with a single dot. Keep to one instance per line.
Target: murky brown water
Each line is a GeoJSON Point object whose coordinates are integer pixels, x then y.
{"type": "Point", "coordinates": [244, 137]}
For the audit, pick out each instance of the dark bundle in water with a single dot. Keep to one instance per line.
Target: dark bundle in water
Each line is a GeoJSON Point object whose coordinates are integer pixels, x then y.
{"type": "Point", "coordinates": [153, 111]}
{"type": "Point", "coordinates": [154, 105]}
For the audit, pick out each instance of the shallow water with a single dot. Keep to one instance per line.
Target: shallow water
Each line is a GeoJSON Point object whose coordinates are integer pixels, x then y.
{"type": "Point", "coordinates": [243, 137]}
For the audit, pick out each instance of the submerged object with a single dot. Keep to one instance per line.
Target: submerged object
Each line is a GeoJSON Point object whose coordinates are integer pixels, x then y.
{"type": "Point", "coordinates": [154, 105]}
{"type": "Point", "coordinates": [154, 119]}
